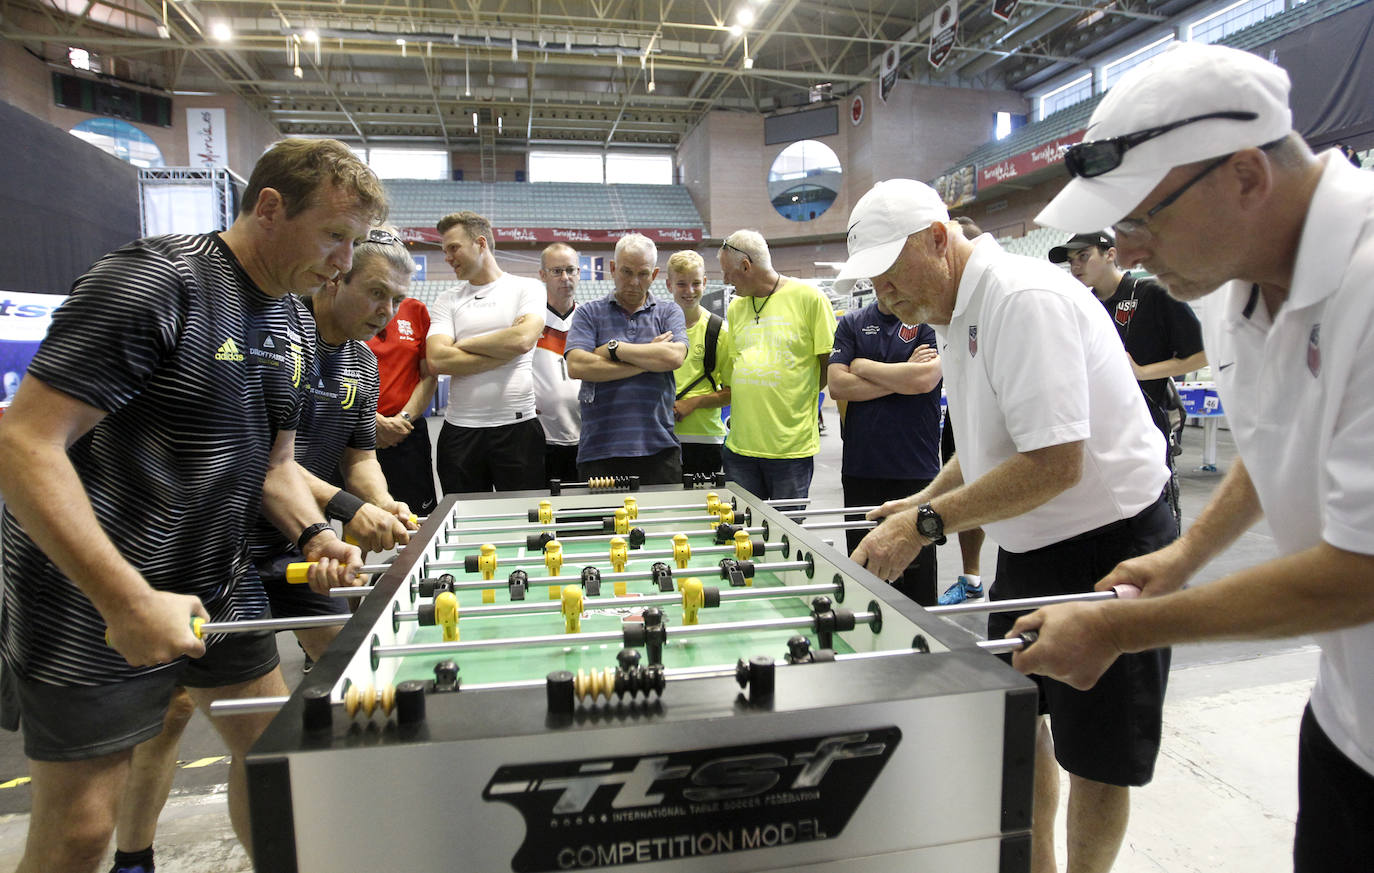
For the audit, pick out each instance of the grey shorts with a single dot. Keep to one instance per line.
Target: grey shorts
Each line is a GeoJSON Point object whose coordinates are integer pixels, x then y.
{"type": "Point", "coordinates": [79, 722]}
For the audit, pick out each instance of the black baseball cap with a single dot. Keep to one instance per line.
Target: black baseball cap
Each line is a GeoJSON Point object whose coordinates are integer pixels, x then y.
{"type": "Point", "coordinates": [1060, 254]}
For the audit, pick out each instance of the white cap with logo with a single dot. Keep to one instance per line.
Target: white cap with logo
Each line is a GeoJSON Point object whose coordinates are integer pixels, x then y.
{"type": "Point", "coordinates": [881, 221]}
{"type": "Point", "coordinates": [1188, 80]}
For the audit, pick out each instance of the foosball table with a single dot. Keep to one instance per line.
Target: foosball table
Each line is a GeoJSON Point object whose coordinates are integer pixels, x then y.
{"type": "Point", "coordinates": [660, 678]}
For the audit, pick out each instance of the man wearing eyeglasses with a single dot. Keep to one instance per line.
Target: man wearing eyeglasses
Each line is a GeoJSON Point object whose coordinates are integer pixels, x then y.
{"type": "Point", "coordinates": [555, 392]}
{"type": "Point", "coordinates": [1235, 203]}
{"type": "Point", "coordinates": [1058, 461]}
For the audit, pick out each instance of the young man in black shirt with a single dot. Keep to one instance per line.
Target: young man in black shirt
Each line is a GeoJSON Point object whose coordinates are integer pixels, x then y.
{"type": "Point", "coordinates": [1162, 336]}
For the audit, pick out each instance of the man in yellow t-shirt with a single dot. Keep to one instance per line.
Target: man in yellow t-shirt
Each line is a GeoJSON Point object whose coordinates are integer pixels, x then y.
{"type": "Point", "coordinates": [698, 394]}
{"type": "Point", "coordinates": [781, 333]}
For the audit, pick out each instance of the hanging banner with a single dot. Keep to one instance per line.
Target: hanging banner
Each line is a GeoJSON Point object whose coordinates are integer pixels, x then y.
{"type": "Point", "coordinates": [888, 78]}
{"type": "Point", "coordinates": [1004, 9]}
{"type": "Point", "coordinates": [24, 322]}
{"type": "Point", "coordinates": [207, 138]}
{"type": "Point", "coordinates": [944, 31]}
{"type": "Point", "coordinates": [1042, 156]}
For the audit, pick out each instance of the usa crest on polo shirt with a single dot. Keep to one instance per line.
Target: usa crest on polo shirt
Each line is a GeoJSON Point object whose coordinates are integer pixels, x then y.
{"type": "Point", "coordinates": [973, 340]}
{"type": "Point", "coordinates": [1314, 352]}
{"type": "Point", "coordinates": [1125, 310]}
{"type": "Point", "coordinates": [908, 332]}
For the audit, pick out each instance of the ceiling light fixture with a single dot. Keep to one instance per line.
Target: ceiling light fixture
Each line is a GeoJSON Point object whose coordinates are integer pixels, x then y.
{"type": "Point", "coordinates": [514, 52]}
{"type": "Point", "coordinates": [744, 17]}
{"type": "Point", "coordinates": [221, 31]}
{"type": "Point", "coordinates": [735, 30]}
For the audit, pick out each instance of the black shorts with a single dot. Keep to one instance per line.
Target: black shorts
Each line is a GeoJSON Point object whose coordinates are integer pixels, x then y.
{"type": "Point", "coordinates": [79, 722]}
{"type": "Point", "coordinates": [409, 469]}
{"type": "Point", "coordinates": [293, 601]}
{"type": "Point", "coordinates": [918, 580]}
{"type": "Point", "coordinates": [1111, 732]}
{"type": "Point", "coordinates": [509, 457]}
{"type": "Point", "coordinates": [1335, 806]}
{"type": "Point", "coordinates": [560, 462]}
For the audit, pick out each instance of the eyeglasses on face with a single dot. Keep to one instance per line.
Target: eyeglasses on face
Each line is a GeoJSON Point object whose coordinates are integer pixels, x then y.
{"type": "Point", "coordinates": [741, 252]}
{"type": "Point", "coordinates": [1138, 228]}
{"type": "Point", "coordinates": [382, 237]}
{"type": "Point", "coordinates": [563, 271]}
{"type": "Point", "coordinates": [1089, 159]}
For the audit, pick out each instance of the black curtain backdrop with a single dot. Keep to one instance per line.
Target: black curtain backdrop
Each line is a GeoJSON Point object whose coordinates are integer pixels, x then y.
{"type": "Point", "coordinates": [63, 204]}
{"type": "Point", "coordinates": [1331, 64]}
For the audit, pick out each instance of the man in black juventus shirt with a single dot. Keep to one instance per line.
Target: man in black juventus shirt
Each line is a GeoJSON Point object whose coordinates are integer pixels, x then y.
{"type": "Point", "coordinates": [338, 428]}
{"type": "Point", "coordinates": [157, 420]}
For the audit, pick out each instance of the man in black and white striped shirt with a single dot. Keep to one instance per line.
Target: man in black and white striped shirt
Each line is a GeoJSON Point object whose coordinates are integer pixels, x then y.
{"type": "Point", "coordinates": [157, 420]}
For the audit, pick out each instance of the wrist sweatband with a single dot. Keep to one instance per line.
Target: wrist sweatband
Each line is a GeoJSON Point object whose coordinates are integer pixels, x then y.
{"type": "Point", "coordinates": [343, 506]}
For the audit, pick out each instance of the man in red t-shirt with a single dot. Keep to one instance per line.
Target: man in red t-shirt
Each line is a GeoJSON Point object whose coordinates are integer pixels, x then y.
{"type": "Point", "coordinates": [403, 445]}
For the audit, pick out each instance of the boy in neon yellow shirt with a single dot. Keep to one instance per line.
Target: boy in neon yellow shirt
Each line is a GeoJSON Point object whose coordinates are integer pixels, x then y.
{"type": "Point", "coordinates": [699, 393]}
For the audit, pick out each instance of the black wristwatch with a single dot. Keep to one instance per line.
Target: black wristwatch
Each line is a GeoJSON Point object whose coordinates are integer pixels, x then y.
{"type": "Point", "coordinates": [930, 525]}
{"type": "Point", "coordinates": [611, 348]}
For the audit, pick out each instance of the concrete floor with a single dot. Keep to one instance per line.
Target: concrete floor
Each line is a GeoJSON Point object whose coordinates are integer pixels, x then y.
{"type": "Point", "coordinates": [1224, 794]}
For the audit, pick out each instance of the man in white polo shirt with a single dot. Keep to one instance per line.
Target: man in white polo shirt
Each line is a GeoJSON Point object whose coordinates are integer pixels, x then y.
{"type": "Point", "coordinates": [483, 333]}
{"type": "Point", "coordinates": [1195, 163]}
{"type": "Point", "coordinates": [1058, 461]}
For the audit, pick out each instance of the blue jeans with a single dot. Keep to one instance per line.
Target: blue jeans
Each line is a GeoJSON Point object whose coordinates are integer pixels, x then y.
{"type": "Point", "coordinates": [769, 478]}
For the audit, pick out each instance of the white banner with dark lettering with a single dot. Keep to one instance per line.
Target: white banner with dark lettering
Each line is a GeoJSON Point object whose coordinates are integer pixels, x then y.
{"type": "Point", "coordinates": [943, 32]}
{"type": "Point", "coordinates": [207, 138]}
{"type": "Point", "coordinates": [24, 322]}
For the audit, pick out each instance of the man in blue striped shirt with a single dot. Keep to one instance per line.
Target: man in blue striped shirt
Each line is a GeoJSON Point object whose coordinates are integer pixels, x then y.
{"type": "Point", "coordinates": [625, 348]}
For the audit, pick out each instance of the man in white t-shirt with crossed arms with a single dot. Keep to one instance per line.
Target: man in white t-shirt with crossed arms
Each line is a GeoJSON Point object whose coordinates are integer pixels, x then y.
{"type": "Point", "coordinates": [482, 333]}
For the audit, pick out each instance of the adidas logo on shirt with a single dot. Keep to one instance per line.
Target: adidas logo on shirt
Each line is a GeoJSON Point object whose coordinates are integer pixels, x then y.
{"type": "Point", "coordinates": [228, 352]}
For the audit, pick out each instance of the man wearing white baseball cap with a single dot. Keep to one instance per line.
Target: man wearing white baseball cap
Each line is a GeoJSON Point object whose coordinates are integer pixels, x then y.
{"type": "Point", "coordinates": [1243, 204]}
{"type": "Point", "coordinates": [1058, 460]}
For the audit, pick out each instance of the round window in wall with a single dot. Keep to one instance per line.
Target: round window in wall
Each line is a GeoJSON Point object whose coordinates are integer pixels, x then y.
{"type": "Point", "coordinates": [121, 139]}
{"type": "Point", "coordinates": [804, 180]}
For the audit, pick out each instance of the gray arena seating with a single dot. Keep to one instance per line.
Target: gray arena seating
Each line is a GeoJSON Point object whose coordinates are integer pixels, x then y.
{"type": "Point", "coordinates": [420, 203]}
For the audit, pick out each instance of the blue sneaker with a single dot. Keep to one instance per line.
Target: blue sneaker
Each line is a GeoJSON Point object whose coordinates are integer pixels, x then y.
{"type": "Point", "coordinates": [960, 591]}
